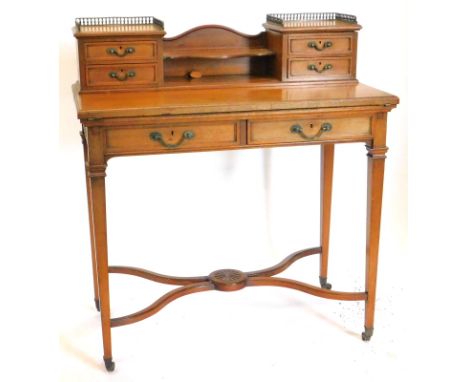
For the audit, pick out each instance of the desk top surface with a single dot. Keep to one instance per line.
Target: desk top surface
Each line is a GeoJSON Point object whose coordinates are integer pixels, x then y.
{"type": "Point", "coordinates": [175, 101]}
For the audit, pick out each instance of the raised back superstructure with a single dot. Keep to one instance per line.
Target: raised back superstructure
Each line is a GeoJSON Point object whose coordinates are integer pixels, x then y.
{"type": "Point", "coordinates": [129, 53]}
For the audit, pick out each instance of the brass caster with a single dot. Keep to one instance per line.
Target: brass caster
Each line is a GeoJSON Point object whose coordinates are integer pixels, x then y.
{"type": "Point", "coordinates": [324, 284]}
{"type": "Point", "coordinates": [367, 334]}
{"type": "Point", "coordinates": [110, 365]}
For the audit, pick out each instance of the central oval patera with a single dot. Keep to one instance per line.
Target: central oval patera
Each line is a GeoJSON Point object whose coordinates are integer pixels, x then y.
{"type": "Point", "coordinates": [228, 280]}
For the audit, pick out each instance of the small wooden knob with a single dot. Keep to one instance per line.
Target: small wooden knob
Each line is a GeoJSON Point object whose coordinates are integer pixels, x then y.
{"type": "Point", "coordinates": [195, 74]}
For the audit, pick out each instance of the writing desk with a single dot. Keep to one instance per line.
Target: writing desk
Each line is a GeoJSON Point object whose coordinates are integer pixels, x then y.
{"type": "Point", "coordinates": [228, 113]}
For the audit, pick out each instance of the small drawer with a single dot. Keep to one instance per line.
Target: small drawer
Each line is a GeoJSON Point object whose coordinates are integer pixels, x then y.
{"type": "Point", "coordinates": [308, 130]}
{"type": "Point", "coordinates": [128, 51]}
{"type": "Point", "coordinates": [173, 137]}
{"type": "Point", "coordinates": [126, 75]}
{"type": "Point", "coordinates": [320, 69]}
{"type": "Point", "coordinates": [312, 45]}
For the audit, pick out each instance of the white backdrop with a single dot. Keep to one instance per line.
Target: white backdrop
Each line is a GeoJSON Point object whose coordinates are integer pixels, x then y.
{"type": "Point", "coordinates": [189, 214]}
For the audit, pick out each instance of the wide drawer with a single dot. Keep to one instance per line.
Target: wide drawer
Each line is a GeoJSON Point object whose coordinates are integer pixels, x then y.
{"type": "Point", "coordinates": [173, 137]}
{"type": "Point", "coordinates": [121, 75]}
{"type": "Point", "coordinates": [128, 51]}
{"type": "Point", "coordinates": [320, 69]}
{"type": "Point", "coordinates": [307, 130]}
{"type": "Point", "coordinates": [312, 45]}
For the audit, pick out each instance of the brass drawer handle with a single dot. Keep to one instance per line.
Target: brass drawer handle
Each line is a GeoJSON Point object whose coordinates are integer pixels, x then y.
{"type": "Point", "coordinates": [186, 135]}
{"type": "Point", "coordinates": [315, 69]}
{"type": "Point", "coordinates": [325, 45]}
{"type": "Point", "coordinates": [115, 52]}
{"type": "Point", "coordinates": [121, 76]}
{"type": "Point", "coordinates": [297, 129]}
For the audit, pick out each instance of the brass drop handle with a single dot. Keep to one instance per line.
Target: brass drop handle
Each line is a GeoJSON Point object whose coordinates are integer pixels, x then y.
{"type": "Point", "coordinates": [157, 136]}
{"type": "Point", "coordinates": [121, 76]}
{"type": "Point", "coordinates": [314, 68]}
{"type": "Point", "coordinates": [297, 129]}
{"type": "Point", "coordinates": [120, 53]}
{"type": "Point", "coordinates": [326, 44]}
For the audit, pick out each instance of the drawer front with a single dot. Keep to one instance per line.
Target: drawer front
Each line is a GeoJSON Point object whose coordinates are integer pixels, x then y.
{"type": "Point", "coordinates": [126, 75]}
{"type": "Point", "coordinates": [308, 130]}
{"type": "Point", "coordinates": [113, 52]}
{"type": "Point", "coordinates": [312, 45]}
{"type": "Point", "coordinates": [173, 137]}
{"type": "Point", "coordinates": [320, 69]}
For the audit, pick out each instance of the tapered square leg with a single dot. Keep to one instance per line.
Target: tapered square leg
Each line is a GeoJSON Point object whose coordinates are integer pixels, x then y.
{"type": "Point", "coordinates": [99, 218]}
{"type": "Point", "coordinates": [91, 225]}
{"type": "Point", "coordinates": [375, 177]}
{"type": "Point", "coordinates": [326, 185]}
{"type": "Point", "coordinates": [96, 172]}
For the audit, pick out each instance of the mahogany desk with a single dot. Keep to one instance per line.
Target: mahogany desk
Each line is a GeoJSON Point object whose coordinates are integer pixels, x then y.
{"type": "Point", "coordinates": [226, 112]}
